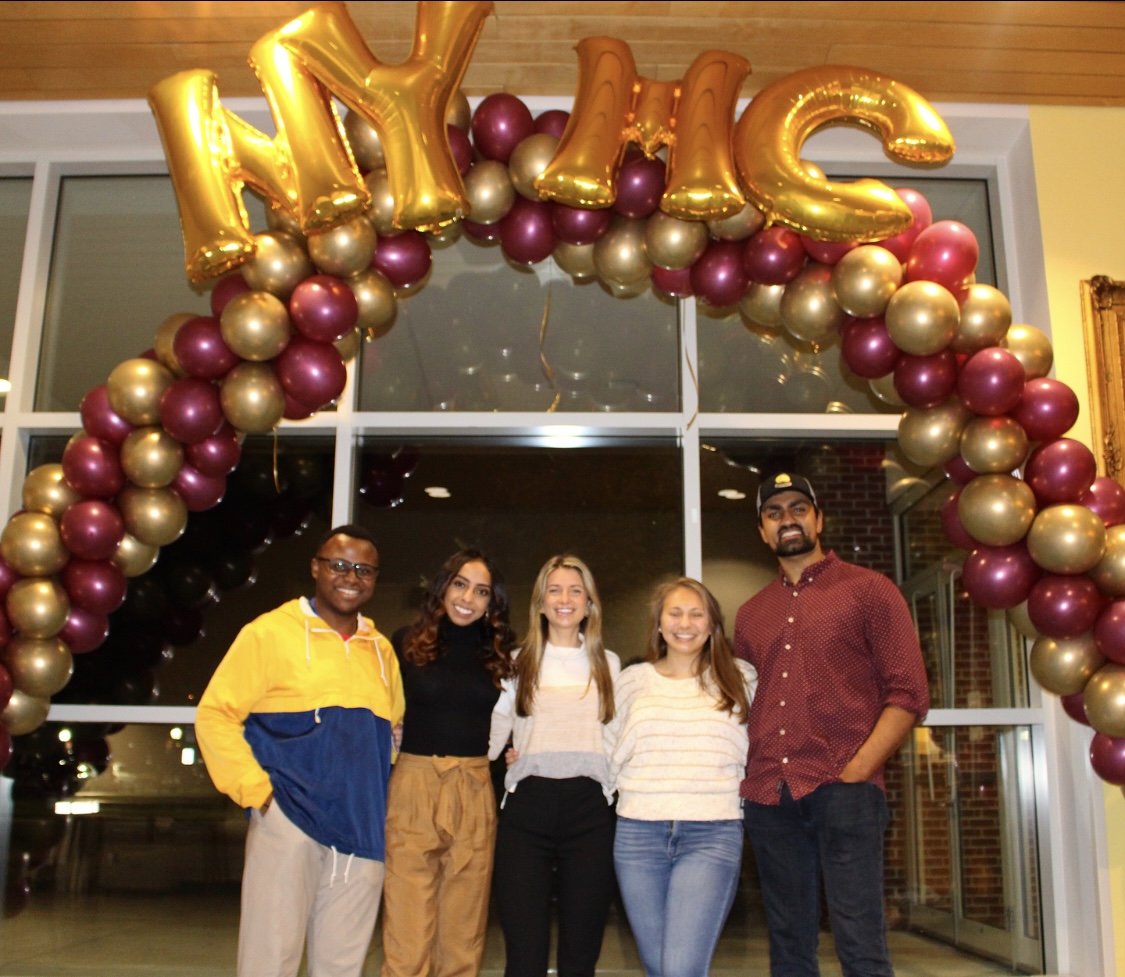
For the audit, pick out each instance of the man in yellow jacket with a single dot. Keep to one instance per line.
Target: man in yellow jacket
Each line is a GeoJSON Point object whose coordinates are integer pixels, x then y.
{"type": "Point", "coordinates": [297, 726]}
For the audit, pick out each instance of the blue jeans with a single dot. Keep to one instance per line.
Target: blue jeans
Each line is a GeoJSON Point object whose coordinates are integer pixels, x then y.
{"type": "Point", "coordinates": [678, 880]}
{"type": "Point", "coordinates": [837, 830]}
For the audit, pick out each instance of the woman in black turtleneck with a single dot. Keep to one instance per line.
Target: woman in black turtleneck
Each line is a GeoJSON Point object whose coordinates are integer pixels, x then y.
{"type": "Point", "coordinates": [441, 810]}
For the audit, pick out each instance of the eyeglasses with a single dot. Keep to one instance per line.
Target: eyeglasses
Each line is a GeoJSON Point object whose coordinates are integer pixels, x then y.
{"type": "Point", "coordinates": [363, 571]}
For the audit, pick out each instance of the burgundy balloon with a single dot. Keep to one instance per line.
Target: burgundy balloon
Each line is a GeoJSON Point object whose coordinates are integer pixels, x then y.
{"type": "Point", "coordinates": [1075, 707]}
{"type": "Point", "coordinates": [773, 256]}
{"type": "Point", "coordinates": [199, 492]}
{"type": "Point", "coordinates": [92, 468]}
{"type": "Point", "coordinates": [526, 232]}
{"type": "Point", "coordinates": [296, 411]}
{"type": "Point", "coordinates": [91, 529]}
{"type": "Point", "coordinates": [1047, 409]}
{"type": "Point", "coordinates": [95, 585]}
{"type": "Point", "coordinates": [8, 576]}
{"type": "Point", "coordinates": [926, 381]}
{"type": "Point", "coordinates": [500, 123]}
{"type": "Point", "coordinates": [901, 243]}
{"type": "Point", "coordinates": [999, 577]}
{"type": "Point", "coordinates": [216, 455]}
{"type": "Point", "coordinates": [485, 233]}
{"type": "Point", "coordinates": [5, 691]}
{"type": "Point", "coordinates": [956, 470]}
{"type": "Point", "coordinates": [225, 289]}
{"type": "Point", "coordinates": [201, 350]}
{"type": "Point", "coordinates": [718, 277]}
{"type": "Point", "coordinates": [84, 630]}
{"type": "Point", "coordinates": [323, 308]}
{"type": "Point", "coordinates": [190, 409]}
{"type": "Point", "coordinates": [1109, 631]}
{"type": "Point", "coordinates": [403, 258]}
{"type": "Point", "coordinates": [461, 148]}
{"type": "Point", "coordinates": [1107, 757]}
{"type": "Point", "coordinates": [827, 252]}
{"type": "Point", "coordinates": [19, 891]}
{"type": "Point", "coordinates": [100, 420]}
{"type": "Point", "coordinates": [1064, 606]}
{"type": "Point", "coordinates": [640, 185]}
{"type": "Point", "coordinates": [577, 225]}
{"type": "Point", "coordinates": [955, 532]}
{"type": "Point", "coordinates": [313, 373]}
{"type": "Point", "coordinates": [991, 382]}
{"type": "Point", "coordinates": [1107, 498]}
{"type": "Point", "coordinates": [945, 252]}
{"type": "Point", "coordinates": [1060, 471]}
{"type": "Point", "coordinates": [675, 283]}
{"type": "Point", "coordinates": [867, 348]}
{"type": "Point", "coordinates": [552, 122]}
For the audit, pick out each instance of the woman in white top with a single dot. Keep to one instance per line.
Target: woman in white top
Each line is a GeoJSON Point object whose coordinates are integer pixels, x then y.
{"type": "Point", "coordinates": [557, 820]}
{"type": "Point", "coordinates": [677, 747]}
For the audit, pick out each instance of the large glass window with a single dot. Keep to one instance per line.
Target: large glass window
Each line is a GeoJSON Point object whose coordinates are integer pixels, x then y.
{"type": "Point", "coordinates": [15, 199]}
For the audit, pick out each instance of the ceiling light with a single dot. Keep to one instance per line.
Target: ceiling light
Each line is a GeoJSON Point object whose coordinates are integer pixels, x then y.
{"type": "Point", "coordinates": [732, 494]}
{"type": "Point", "coordinates": [437, 492]}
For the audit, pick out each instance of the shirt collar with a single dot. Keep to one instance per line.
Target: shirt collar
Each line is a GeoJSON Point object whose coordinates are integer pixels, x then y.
{"type": "Point", "coordinates": [810, 573]}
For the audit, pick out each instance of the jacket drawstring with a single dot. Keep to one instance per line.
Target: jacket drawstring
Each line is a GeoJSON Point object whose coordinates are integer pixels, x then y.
{"type": "Point", "coordinates": [347, 867]}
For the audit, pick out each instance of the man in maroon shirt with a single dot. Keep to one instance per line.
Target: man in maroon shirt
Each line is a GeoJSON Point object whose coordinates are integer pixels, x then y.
{"type": "Point", "coordinates": [840, 685]}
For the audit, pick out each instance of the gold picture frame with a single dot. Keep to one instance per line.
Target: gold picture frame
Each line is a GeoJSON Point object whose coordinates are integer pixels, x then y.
{"type": "Point", "coordinates": [1103, 327]}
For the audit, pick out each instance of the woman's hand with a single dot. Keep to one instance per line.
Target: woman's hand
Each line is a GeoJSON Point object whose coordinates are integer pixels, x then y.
{"type": "Point", "coordinates": [396, 735]}
{"type": "Point", "coordinates": [511, 755]}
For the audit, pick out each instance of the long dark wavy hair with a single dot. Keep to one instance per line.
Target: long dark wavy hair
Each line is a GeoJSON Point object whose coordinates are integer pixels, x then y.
{"type": "Point", "coordinates": [423, 641]}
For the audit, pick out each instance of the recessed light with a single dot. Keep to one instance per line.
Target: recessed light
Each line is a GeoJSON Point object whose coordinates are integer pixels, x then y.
{"type": "Point", "coordinates": [732, 494]}
{"type": "Point", "coordinates": [437, 492]}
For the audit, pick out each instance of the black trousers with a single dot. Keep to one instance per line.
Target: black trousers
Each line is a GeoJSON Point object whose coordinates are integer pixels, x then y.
{"type": "Point", "coordinates": [554, 835]}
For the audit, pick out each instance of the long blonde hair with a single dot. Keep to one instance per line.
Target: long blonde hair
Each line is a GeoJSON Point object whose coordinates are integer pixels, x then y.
{"type": "Point", "coordinates": [529, 663]}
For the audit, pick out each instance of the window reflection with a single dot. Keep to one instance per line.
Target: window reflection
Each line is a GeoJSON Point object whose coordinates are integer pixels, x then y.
{"type": "Point", "coordinates": [15, 199]}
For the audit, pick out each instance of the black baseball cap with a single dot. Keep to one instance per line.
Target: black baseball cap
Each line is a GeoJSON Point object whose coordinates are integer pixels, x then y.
{"type": "Point", "coordinates": [784, 482]}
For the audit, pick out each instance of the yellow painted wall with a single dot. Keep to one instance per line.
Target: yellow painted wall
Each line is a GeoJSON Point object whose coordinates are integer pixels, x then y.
{"type": "Point", "coordinates": [1080, 174]}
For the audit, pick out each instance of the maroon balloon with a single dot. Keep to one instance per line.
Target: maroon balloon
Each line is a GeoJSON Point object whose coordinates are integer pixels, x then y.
{"type": "Point", "coordinates": [484, 233]}
{"type": "Point", "coordinates": [999, 577]}
{"type": "Point", "coordinates": [926, 381]}
{"type": "Point", "coordinates": [718, 277]}
{"type": "Point", "coordinates": [18, 892]}
{"type": "Point", "coordinates": [6, 687]}
{"type": "Point", "coordinates": [84, 630]}
{"type": "Point", "coordinates": [313, 373]}
{"type": "Point", "coordinates": [1074, 706]}
{"type": "Point", "coordinates": [199, 492]}
{"type": "Point", "coordinates": [956, 470]}
{"type": "Point", "coordinates": [1107, 757]}
{"type": "Point", "coordinates": [225, 289]}
{"type": "Point", "coordinates": [901, 243]}
{"type": "Point", "coordinates": [500, 123]}
{"type": "Point", "coordinates": [827, 252]}
{"type": "Point", "coordinates": [403, 258]}
{"type": "Point", "coordinates": [946, 253]}
{"type": "Point", "coordinates": [526, 232]}
{"type": "Point", "coordinates": [1107, 499]}
{"type": "Point", "coordinates": [773, 256]}
{"type": "Point", "coordinates": [323, 308]}
{"type": "Point", "coordinates": [94, 585]}
{"type": "Point", "coordinates": [675, 283]}
{"type": "Point", "coordinates": [577, 225]}
{"type": "Point", "coordinates": [991, 382]}
{"type": "Point", "coordinates": [201, 350]}
{"type": "Point", "coordinates": [955, 532]}
{"type": "Point", "coordinates": [552, 122]}
{"type": "Point", "coordinates": [1060, 471]}
{"type": "Point", "coordinates": [296, 411]}
{"type": "Point", "coordinates": [92, 468]}
{"type": "Point", "coordinates": [99, 419]}
{"type": "Point", "coordinates": [1063, 606]}
{"type": "Point", "coordinates": [8, 576]}
{"type": "Point", "coordinates": [867, 348]}
{"type": "Point", "coordinates": [1047, 409]}
{"type": "Point", "coordinates": [461, 148]}
{"type": "Point", "coordinates": [218, 454]}
{"type": "Point", "coordinates": [640, 185]}
{"type": "Point", "coordinates": [1109, 631]}
{"type": "Point", "coordinates": [190, 409]}
{"type": "Point", "coordinates": [91, 529]}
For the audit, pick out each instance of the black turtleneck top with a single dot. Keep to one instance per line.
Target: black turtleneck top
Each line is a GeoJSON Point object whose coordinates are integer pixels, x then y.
{"type": "Point", "coordinates": [449, 701]}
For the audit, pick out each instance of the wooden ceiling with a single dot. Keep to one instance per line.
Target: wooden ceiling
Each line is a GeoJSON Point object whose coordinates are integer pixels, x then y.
{"type": "Point", "coordinates": [1048, 53]}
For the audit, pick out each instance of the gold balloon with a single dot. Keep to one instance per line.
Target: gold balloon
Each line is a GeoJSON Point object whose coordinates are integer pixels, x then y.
{"type": "Point", "coordinates": [772, 130]}
{"type": "Point", "coordinates": [528, 160]}
{"type": "Point", "coordinates": [933, 436]}
{"type": "Point", "coordinates": [252, 398]}
{"type": "Point", "coordinates": [864, 280]}
{"type": "Point", "coordinates": [1063, 666]}
{"type": "Point", "coordinates": [672, 243]}
{"type": "Point", "coordinates": [256, 326]}
{"type": "Point", "coordinates": [349, 345]}
{"type": "Point", "coordinates": [809, 310]}
{"type": "Point", "coordinates": [151, 457]}
{"type": "Point", "coordinates": [1032, 348]}
{"type": "Point", "coordinates": [1109, 572]}
{"type": "Point", "coordinates": [986, 315]}
{"type": "Point", "coordinates": [1021, 620]}
{"type": "Point", "coordinates": [459, 113]}
{"type": "Point", "coordinates": [489, 189]}
{"type": "Point", "coordinates": [884, 388]}
{"type": "Point", "coordinates": [381, 212]}
{"type": "Point", "coordinates": [279, 265]}
{"type": "Point", "coordinates": [760, 307]}
{"type": "Point", "coordinates": [922, 318]}
{"type": "Point", "coordinates": [377, 303]}
{"type": "Point", "coordinates": [1104, 700]}
{"type": "Point", "coordinates": [346, 249]}
{"type": "Point", "coordinates": [46, 490]}
{"type": "Point", "coordinates": [993, 444]}
{"type": "Point", "coordinates": [996, 510]}
{"type": "Point", "coordinates": [37, 607]}
{"type": "Point", "coordinates": [39, 666]}
{"type": "Point", "coordinates": [446, 236]}
{"type": "Point", "coordinates": [133, 557]}
{"type": "Point", "coordinates": [577, 260]}
{"type": "Point", "coordinates": [364, 142]}
{"type": "Point", "coordinates": [154, 516]}
{"type": "Point", "coordinates": [749, 220]}
{"type": "Point", "coordinates": [134, 389]}
{"type": "Point", "coordinates": [281, 219]}
{"type": "Point", "coordinates": [1067, 539]}
{"type": "Point", "coordinates": [24, 713]}
{"type": "Point", "coordinates": [30, 544]}
{"type": "Point", "coordinates": [621, 291]}
{"type": "Point", "coordinates": [165, 335]}
{"type": "Point", "coordinates": [619, 254]}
